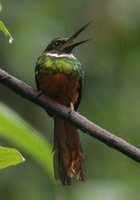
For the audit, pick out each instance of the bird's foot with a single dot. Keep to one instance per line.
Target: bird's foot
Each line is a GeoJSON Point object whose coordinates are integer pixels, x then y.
{"type": "Point", "coordinates": [71, 109]}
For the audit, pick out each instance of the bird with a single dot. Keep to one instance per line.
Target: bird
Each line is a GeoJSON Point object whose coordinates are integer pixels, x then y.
{"type": "Point", "coordinates": [59, 76]}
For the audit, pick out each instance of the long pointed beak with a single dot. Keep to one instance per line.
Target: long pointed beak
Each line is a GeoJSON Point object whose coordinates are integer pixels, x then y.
{"type": "Point", "coordinates": [69, 45]}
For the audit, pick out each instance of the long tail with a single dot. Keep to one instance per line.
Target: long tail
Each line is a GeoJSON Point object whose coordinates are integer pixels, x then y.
{"type": "Point", "coordinates": [68, 155]}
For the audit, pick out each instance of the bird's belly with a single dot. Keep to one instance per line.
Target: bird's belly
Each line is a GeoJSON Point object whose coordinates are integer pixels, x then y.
{"type": "Point", "coordinates": [60, 88]}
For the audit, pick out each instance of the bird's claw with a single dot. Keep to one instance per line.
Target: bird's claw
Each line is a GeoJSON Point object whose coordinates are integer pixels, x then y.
{"type": "Point", "coordinates": [71, 109]}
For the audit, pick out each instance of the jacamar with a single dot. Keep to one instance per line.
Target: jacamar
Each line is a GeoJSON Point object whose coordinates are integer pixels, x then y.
{"type": "Point", "coordinates": [59, 76]}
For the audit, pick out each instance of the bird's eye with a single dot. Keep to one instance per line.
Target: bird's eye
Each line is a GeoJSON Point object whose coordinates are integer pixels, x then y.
{"type": "Point", "coordinates": [57, 43]}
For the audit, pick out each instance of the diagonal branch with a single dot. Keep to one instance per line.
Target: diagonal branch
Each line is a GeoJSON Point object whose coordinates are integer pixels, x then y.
{"type": "Point", "coordinates": [75, 118]}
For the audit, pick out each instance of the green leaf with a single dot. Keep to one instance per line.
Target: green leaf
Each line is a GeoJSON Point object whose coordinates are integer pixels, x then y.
{"type": "Point", "coordinates": [21, 134]}
{"type": "Point", "coordinates": [5, 31]}
{"type": "Point", "coordinates": [9, 156]}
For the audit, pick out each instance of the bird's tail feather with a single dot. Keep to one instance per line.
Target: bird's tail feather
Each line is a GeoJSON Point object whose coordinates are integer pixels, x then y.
{"type": "Point", "coordinates": [68, 154]}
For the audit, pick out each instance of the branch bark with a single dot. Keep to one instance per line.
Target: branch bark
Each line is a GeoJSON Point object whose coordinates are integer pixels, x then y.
{"type": "Point", "coordinates": [73, 117]}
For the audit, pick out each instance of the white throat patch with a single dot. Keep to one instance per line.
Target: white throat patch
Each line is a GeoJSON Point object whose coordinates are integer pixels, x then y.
{"type": "Point", "coordinates": [61, 55]}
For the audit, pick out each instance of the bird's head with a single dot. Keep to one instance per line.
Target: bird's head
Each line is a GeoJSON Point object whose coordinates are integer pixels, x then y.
{"type": "Point", "coordinates": [65, 45]}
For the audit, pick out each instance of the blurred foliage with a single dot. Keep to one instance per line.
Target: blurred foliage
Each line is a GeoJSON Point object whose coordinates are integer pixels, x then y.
{"type": "Point", "coordinates": [19, 133]}
{"type": "Point", "coordinates": [111, 91]}
{"type": "Point", "coordinates": [9, 157]}
{"type": "Point", "coordinates": [4, 29]}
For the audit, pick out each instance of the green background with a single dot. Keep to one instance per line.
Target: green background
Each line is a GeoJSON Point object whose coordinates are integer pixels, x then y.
{"type": "Point", "coordinates": [111, 92]}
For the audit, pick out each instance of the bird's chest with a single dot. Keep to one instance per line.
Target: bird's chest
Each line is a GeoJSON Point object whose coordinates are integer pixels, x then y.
{"type": "Point", "coordinates": [59, 87]}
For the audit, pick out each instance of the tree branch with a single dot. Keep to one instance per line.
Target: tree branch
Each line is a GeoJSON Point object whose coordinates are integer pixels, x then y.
{"type": "Point", "coordinates": [75, 118]}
